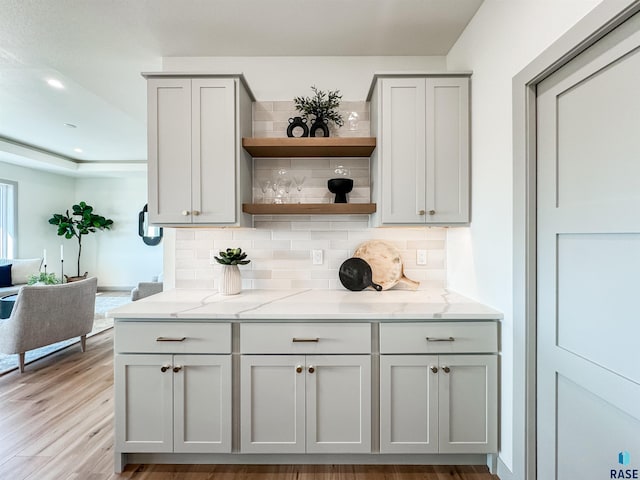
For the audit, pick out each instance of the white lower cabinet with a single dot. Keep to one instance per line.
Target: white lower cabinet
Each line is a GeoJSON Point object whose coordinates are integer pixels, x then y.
{"type": "Point", "coordinates": [173, 403]}
{"type": "Point", "coordinates": [438, 404]}
{"type": "Point", "coordinates": [305, 403]}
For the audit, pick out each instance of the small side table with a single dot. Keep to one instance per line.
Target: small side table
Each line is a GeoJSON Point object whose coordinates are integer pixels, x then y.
{"type": "Point", "coordinates": [6, 305]}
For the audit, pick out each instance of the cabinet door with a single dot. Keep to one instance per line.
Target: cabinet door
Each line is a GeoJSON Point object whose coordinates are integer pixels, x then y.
{"type": "Point", "coordinates": [338, 403]}
{"type": "Point", "coordinates": [468, 402]}
{"type": "Point", "coordinates": [169, 149]}
{"type": "Point", "coordinates": [214, 152]}
{"type": "Point", "coordinates": [447, 150]}
{"type": "Point", "coordinates": [402, 145]}
{"type": "Point", "coordinates": [202, 403]}
{"type": "Point", "coordinates": [144, 399]}
{"type": "Point", "coordinates": [272, 404]}
{"type": "Point", "coordinates": [409, 403]}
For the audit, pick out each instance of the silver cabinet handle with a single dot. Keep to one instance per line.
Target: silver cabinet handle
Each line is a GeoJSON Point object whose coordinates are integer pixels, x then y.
{"type": "Point", "coordinates": [300, 340]}
{"type": "Point", "coordinates": [171, 339]}
{"type": "Point", "coordinates": [445, 369]}
{"type": "Point", "coordinates": [438, 339]}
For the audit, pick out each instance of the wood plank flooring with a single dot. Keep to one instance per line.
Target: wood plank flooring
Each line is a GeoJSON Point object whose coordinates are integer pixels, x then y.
{"type": "Point", "coordinates": [56, 423]}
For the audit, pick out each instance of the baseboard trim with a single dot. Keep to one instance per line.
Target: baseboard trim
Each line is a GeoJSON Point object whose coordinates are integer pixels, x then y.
{"type": "Point", "coordinates": [504, 473]}
{"type": "Point", "coordinates": [114, 289]}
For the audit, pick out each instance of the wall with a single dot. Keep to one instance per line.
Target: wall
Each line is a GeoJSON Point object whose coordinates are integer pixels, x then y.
{"type": "Point", "coordinates": [282, 78]}
{"type": "Point", "coordinates": [40, 195]}
{"type": "Point", "coordinates": [118, 257]}
{"type": "Point", "coordinates": [501, 39]}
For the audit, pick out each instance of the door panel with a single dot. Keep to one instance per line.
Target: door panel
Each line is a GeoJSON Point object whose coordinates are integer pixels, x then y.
{"type": "Point", "coordinates": [403, 150]}
{"type": "Point", "coordinates": [144, 403]}
{"type": "Point", "coordinates": [169, 143]}
{"type": "Point", "coordinates": [338, 404]}
{"type": "Point", "coordinates": [408, 404]}
{"type": "Point", "coordinates": [587, 253]}
{"type": "Point", "coordinates": [202, 403]}
{"type": "Point", "coordinates": [468, 404]}
{"type": "Point", "coordinates": [214, 156]}
{"type": "Point", "coordinates": [272, 406]}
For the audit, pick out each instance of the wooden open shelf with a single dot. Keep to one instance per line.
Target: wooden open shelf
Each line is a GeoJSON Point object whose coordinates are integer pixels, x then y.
{"type": "Point", "coordinates": [309, 208]}
{"type": "Point", "coordinates": [310, 147]}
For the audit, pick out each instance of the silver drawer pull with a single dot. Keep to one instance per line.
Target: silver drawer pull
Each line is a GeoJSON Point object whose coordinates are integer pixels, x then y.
{"type": "Point", "coordinates": [297, 340]}
{"type": "Point", "coordinates": [171, 339]}
{"type": "Point", "coordinates": [436, 339]}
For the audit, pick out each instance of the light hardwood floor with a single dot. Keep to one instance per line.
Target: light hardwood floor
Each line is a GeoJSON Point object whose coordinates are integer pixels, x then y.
{"type": "Point", "coordinates": [56, 423]}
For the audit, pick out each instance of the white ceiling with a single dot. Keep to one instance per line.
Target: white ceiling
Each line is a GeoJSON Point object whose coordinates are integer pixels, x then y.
{"type": "Point", "coordinates": [97, 49]}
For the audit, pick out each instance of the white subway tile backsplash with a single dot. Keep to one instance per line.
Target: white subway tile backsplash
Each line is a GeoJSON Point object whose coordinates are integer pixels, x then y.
{"type": "Point", "coordinates": [279, 246]}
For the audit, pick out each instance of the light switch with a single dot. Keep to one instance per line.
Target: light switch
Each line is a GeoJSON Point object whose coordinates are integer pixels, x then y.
{"type": "Point", "coordinates": [421, 257]}
{"type": "Point", "coordinates": [316, 257]}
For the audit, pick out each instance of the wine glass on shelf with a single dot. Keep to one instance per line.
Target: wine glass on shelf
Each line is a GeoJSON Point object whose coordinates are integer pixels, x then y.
{"type": "Point", "coordinates": [264, 184]}
{"type": "Point", "coordinates": [299, 180]}
{"type": "Point", "coordinates": [285, 183]}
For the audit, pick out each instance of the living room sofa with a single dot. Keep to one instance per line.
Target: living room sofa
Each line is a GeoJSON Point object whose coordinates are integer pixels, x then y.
{"type": "Point", "coordinates": [20, 271]}
{"type": "Point", "coordinates": [46, 314]}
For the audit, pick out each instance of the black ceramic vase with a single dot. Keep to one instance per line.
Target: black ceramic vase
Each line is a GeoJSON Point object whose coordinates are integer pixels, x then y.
{"type": "Point", "coordinates": [340, 186]}
{"type": "Point", "coordinates": [319, 124]}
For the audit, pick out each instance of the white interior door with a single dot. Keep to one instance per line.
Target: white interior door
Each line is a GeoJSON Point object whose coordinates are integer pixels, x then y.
{"type": "Point", "coordinates": [588, 358]}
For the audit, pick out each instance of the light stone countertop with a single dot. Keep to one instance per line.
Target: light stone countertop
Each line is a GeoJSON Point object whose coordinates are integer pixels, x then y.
{"type": "Point", "coordinates": [290, 305]}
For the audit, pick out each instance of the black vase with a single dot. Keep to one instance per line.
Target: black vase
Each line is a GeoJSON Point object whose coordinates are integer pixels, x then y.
{"type": "Point", "coordinates": [319, 124]}
{"type": "Point", "coordinates": [297, 127]}
{"type": "Point", "coordinates": [340, 186]}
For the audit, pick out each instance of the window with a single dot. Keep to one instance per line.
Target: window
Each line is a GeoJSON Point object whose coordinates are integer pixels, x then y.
{"type": "Point", "coordinates": [8, 209]}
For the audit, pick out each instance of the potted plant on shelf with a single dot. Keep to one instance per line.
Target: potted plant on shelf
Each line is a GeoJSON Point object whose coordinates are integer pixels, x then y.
{"type": "Point", "coordinates": [231, 280]}
{"type": "Point", "coordinates": [324, 107]}
{"type": "Point", "coordinates": [81, 222]}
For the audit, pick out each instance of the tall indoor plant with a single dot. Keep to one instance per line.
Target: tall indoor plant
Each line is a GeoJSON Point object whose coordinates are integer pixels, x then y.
{"type": "Point", "coordinates": [81, 222]}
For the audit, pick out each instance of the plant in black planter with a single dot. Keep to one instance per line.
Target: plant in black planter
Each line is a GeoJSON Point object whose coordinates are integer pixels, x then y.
{"type": "Point", "coordinates": [81, 222]}
{"type": "Point", "coordinates": [324, 107]}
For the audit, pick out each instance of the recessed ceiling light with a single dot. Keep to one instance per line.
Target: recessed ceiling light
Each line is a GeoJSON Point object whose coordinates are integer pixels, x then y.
{"type": "Point", "coordinates": [55, 83]}
{"type": "Point", "coordinates": [70, 125]}
{"type": "Point", "coordinates": [79, 150]}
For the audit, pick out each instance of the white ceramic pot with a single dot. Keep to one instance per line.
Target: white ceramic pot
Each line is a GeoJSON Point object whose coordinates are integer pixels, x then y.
{"type": "Point", "coordinates": [230, 280]}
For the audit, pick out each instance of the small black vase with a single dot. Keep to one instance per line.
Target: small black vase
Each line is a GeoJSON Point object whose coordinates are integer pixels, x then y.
{"type": "Point", "coordinates": [319, 124]}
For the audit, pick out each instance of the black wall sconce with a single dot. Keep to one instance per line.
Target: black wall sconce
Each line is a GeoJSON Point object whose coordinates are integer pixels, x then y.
{"type": "Point", "coordinates": [150, 235]}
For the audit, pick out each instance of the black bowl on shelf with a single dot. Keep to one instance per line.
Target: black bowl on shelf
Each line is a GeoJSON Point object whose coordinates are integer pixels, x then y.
{"type": "Point", "coordinates": [340, 186]}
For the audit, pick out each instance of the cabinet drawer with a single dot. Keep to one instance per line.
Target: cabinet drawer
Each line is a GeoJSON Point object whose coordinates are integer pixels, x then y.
{"type": "Point", "coordinates": [440, 337]}
{"type": "Point", "coordinates": [172, 337]}
{"type": "Point", "coordinates": [305, 338]}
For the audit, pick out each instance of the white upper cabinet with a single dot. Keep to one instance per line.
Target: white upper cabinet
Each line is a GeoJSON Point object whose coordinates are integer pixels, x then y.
{"type": "Point", "coordinates": [420, 170]}
{"type": "Point", "coordinates": [198, 172]}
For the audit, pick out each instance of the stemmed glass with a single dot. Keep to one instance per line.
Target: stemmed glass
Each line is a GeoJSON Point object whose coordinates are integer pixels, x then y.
{"type": "Point", "coordinates": [264, 185]}
{"type": "Point", "coordinates": [299, 180]}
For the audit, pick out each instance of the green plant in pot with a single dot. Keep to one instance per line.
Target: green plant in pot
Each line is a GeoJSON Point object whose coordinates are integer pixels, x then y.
{"type": "Point", "coordinates": [231, 280]}
{"type": "Point", "coordinates": [324, 107]}
{"type": "Point", "coordinates": [81, 222]}
{"type": "Point", "coordinates": [43, 278]}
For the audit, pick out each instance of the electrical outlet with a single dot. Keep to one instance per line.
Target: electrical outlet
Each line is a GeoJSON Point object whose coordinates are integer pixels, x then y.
{"type": "Point", "coordinates": [316, 257]}
{"type": "Point", "coordinates": [421, 257]}
{"type": "Point", "coordinates": [212, 254]}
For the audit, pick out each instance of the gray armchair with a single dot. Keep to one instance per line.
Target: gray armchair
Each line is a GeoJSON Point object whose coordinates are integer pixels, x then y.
{"type": "Point", "coordinates": [145, 289]}
{"type": "Point", "coordinates": [46, 314]}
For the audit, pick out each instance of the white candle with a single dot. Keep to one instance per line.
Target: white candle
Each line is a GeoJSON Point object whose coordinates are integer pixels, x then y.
{"type": "Point", "coordinates": [61, 252]}
{"type": "Point", "coordinates": [44, 255]}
